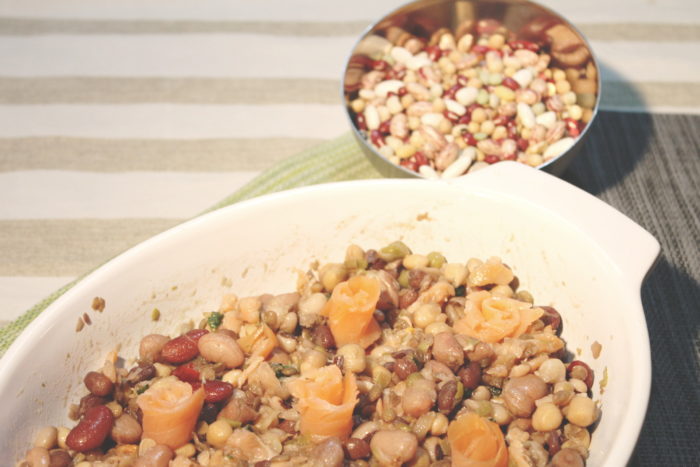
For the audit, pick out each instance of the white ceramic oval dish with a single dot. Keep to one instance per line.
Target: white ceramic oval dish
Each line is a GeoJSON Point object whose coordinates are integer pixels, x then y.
{"type": "Point", "coordinates": [567, 247]}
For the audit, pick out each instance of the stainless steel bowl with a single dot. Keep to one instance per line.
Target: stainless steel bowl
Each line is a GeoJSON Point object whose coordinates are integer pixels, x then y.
{"type": "Point", "coordinates": [524, 20]}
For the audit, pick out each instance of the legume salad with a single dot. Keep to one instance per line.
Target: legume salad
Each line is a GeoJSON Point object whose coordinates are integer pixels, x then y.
{"type": "Point", "coordinates": [460, 101]}
{"type": "Point", "coordinates": [389, 358]}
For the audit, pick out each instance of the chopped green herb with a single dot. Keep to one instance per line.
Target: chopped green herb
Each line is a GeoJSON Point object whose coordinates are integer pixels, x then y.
{"type": "Point", "coordinates": [495, 391]}
{"type": "Point", "coordinates": [141, 389]}
{"type": "Point", "coordinates": [281, 370]}
{"type": "Point", "coordinates": [155, 314]}
{"type": "Point", "coordinates": [461, 291]}
{"type": "Point", "coordinates": [215, 320]}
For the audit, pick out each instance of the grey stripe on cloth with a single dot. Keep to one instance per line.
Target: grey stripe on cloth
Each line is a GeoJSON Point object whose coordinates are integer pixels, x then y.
{"type": "Point", "coordinates": [119, 155]}
{"type": "Point", "coordinates": [36, 26]}
{"type": "Point", "coordinates": [118, 90]}
{"type": "Point", "coordinates": [261, 91]}
{"type": "Point", "coordinates": [648, 167]}
{"type": "Point", "coordinates": [69, 247]}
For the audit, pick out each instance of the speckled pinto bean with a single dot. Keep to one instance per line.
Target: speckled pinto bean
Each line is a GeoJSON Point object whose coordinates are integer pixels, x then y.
{"type": "Point", "coordinates": [92, 430]}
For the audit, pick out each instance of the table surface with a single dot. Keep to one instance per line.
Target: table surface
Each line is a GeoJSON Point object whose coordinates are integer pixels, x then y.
{"type": "Point", "coordinates": [122, 118]}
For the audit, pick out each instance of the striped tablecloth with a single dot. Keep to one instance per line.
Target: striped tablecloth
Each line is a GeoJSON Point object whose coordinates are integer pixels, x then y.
{"type": "Point", "coordinates": [122, 118]}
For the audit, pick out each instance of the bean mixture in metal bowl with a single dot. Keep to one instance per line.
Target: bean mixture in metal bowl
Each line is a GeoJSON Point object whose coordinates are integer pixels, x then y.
{"type": "Point", "coordinates": [389, 358]}
{"type": "Point", "coordinates": [460, 101]}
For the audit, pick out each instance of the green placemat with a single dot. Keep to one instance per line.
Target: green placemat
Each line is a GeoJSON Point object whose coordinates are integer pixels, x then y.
{"type": "Point", "coordinates": [335, 160]}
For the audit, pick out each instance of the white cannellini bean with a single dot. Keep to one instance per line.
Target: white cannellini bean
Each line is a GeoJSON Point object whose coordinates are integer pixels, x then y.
{"type": "Point", "coordinates": [547, 119]}
{"type": "Point", "coordinates": [465, 43]}
{"type": "Point", "coordinates": [394, 105]}
{"type": "Point", "coordinates": [523, 77]}
{"type": "Point", "coordinates": [456, 107]}
{"type": "Point", "coordinates": [418, 61]}
{"type": "Point", "coordinates": [385, 87]}
{"type": "Point", "coordinates": [428, 172]}
{"type": "Point", "coordinates": [525, 115]}
{"type": "Point", "coordinates": [400, 54]}
{"type": "Point", "coordinates": [558, 148]}
{"type": "Point", "coordinates": [433, 119]}
{"type": "Point", "coordinates": [458, 167]}
{"type": "Point", "coordinates": [372, 117]}
{"type": "Point", "coordinates": [466, 95]}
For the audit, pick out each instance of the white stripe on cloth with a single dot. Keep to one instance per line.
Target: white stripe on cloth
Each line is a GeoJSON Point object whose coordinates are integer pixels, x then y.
{"type": "Point", "coordinates": [174, 121]}
{"type": "Point", "coordinates": [47, 194]}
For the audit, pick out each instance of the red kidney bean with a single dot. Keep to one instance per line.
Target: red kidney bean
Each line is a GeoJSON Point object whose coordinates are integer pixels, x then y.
{"type": "Point", "coordinates": [462, 81]}
{"type": "Point", "coordinates": [376, 137]}
{"type": "Point", "coordinates": [510, 83]}
{"type": "Point", "coordinates": [90, 401]}
{"type": "Point", "coordinates": [409, 164]}
{"type": "Point", "coordinates": [572, 127]}
{"type": "Point", "coordinates": [450, 93]}
{"type": "Point", "coordinates": [551, 317]}
{"type": "Point", "coordinates": [186, 373]}
{"type": "Point", "coordinates": [434, 52]}
{"type": "Point", "coordinates": [510, 157]}
{"type": "Point", "coordinates": [470, 375]}
{"type": "Point", "coordinates": [92, 430]}
{"type": "Point", "coordinates": [209, 412]}
{"type": "Point", "coordinates": [464, 119]}
{"type": "Point", "coordinates": [217, 391]}
{"type": "Point", "coordinates": [523, 144]}
{"type": "Point", "coordinates": [451, 116]}
{"type": "Point", "coordinates": [579, 370]}
{"type": "Point", "coordinates": [182, 348]}
{"type": "Point", "coordinates": [380, 65]}
{"type": "Point", "coordinates": [491, 159]}
{"type": "Point", "coordinates": [385, 127]}
{"type": "Point", "coordinates": [469, 139]}
{"type": "Point", "coordinates": [480, 49]}
{"type": "Point", "coordinates": [420, 158]}
{"type": "Point", "coordinates": [98, 384]}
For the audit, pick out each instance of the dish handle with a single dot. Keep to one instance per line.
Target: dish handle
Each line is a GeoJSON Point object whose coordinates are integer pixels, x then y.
{"type": "Point", "coordinates": [631, 247]}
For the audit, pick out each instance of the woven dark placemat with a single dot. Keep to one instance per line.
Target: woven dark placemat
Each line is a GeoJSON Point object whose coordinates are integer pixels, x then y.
{"type": "Point", "coordinates": [648, 167]}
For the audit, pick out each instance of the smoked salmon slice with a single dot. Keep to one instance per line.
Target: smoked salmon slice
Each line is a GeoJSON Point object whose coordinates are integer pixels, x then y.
{"type": "Point", "coordinates": [350, 311]}
{"type": "Point", "coordinates": [476, 442]}
{"type": "Point", "coordinates": [170, 411]}
{"type": "Point", "coordinates": [326, 400]}
{"type": "Point", "coordinates": [491, 319]}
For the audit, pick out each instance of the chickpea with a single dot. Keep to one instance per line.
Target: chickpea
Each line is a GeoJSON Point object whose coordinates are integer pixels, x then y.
{"type": "Point", "coordinates": [426, 314]}
{"type": "Point", "coordinates": [62, 432]}
{"type": "Point", "coordinates": [313, 359]}
{"type": "Point", "coordinates": [437, 328]}
{"type": "Point", "coordinates": [456, 273]}
{"type": "Point", "coordinates": [353, 358]}
{"type": "Point", "coordinates": [218, 432]}
{"type": "Point", "coordinates": [393, 447]}
{"type": "Point", "coordinates": [38, 457]}
{"type": "Point", "coordinates": [46, 438]}
{"type": "Point", "coordinates": [439, 426]}
{"type": "Point", "coordinates": [187, 450]}
{"type": "Point", "coordinates": [581, 411]}
{"type": "Point", "coordinates": [552, 371]}
{"type": "Point", "coordinates": [547, 417]}
{"type": "Point", "coordinates": [332, 274]}
{"type": "Point", "coordinates": [414, 261]}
